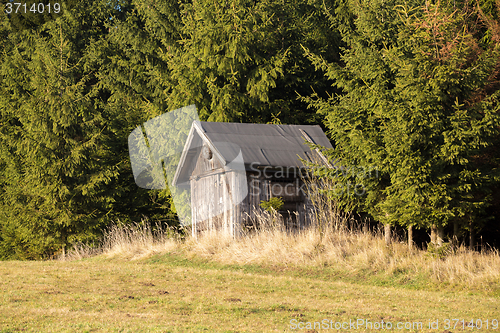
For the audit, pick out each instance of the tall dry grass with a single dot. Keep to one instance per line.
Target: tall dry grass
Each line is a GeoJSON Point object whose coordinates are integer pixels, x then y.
{"type": "Point", "coordinates": [129, 241]}
{"type": "Point", "coordinates": [332, 239]}
{"type": "Point", "coordinates": [353, 252]}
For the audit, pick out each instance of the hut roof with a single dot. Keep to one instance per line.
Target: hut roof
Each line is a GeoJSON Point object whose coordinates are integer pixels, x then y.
{"type": "Point", "coordinates": [254, 144]}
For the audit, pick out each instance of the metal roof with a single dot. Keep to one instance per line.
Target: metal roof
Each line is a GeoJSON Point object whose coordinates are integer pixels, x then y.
{"type": "Point", "coordinates": [259, 145]}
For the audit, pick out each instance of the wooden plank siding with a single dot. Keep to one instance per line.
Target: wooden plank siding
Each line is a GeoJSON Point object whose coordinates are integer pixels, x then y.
{"type": "Point", "coordinates": [218, 203]}
{"type": "Point", "coordinates": [225, 197]}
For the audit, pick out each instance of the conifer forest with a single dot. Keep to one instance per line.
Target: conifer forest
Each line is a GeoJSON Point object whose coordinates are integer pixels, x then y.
{"type": "Point", "coordinates": [409, 88]}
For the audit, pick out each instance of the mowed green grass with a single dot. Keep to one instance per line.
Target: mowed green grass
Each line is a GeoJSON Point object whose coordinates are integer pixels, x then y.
{"type": "Point", "coordinates": [170, 293]}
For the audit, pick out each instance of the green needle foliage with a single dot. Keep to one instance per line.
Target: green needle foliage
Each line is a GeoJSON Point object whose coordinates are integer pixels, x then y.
{"type": "Point", "coordinates": [272, 205]}
{"type": "Point", "coordinates": [75, 85]}
{"type": "Point", "coordinates": [419, 105]}
{"type": "Point", "coordinates": [236, 60]}
{"type": "Point", "coordinates": [58, 135]}
{"type": "Point", "coordinates": [408, 92]}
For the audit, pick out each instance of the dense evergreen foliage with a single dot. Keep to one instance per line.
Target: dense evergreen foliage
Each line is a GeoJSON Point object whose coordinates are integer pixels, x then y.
{"type": "Point", "coordinates": [408, 93]}
{"type": "Point", "coordinates": [237, 60]}
{"type": "Point", "coordinates": [65, 172]}
{"type": "Point", "coordinates": [418, 119]}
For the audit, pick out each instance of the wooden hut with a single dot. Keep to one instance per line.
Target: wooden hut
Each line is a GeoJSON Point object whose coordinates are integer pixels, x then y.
{"type": "Point", "coordinates": [231, 167]}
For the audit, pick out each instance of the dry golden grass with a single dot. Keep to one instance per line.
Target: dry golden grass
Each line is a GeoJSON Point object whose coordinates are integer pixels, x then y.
{"type": "Point", "coordinates": [333, 240]}
{"type": "Point", "coordinates": [275, 279]}
{"type": "Point", "coordinates": [167, 293]}
{"type": "Point", "coordinates": [352, 253]}
{"type": "Point", "coordinates": [143, 278]}
{"type": "Point", "coordinates": [132, 242]}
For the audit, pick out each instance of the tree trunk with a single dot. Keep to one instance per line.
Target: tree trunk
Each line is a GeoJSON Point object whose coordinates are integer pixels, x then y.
{"type": "Point", "coordinates": [410, 238]}
{"type": "Point", "coordinates": [366, 228]}
{"type": "Point", "coordinates": [440, 235]}
{"type": "Point", "coordinates": [437, 235]}
{"type": "Point", "coordinates": [387, 234]}
{"type": "Point", "coordinates": [456, 230]}
{"type": "Point", "coordinates": [472, 237]}
{"type": "Point", "coordinates": [433, 234]}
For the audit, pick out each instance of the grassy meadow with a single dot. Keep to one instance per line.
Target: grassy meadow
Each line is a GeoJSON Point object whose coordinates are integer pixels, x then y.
{"type": "Point", "coordinates": [144, 280]}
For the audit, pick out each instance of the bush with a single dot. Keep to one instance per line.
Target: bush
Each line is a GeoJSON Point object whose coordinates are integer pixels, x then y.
{"type": "Point", "coordinates": [273, 205]}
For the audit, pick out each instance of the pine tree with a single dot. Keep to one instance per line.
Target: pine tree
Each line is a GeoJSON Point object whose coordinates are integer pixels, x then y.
{"type": "Point", "coordinates": [419, 105]}
{"type": "Point", "coordinates": [59, 135]}
{"type": "Point", "coordinates": [236, 60]}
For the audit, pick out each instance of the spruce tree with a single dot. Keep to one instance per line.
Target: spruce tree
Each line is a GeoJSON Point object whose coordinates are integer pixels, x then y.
{"type": "Point", "coordinates": [419, 105]}
{"type": "Point", "coordinates": [236, 60]}
{"type": "Point", "coordinates": [59, 135]}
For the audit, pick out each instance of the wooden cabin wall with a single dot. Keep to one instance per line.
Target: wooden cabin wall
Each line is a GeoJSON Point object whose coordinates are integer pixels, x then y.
{"type": "Point", "coordinates": [203, 165]}
{"type": "Point", "coordinates": [215, 197]}
{"type": "Point", "coordinates": [227, 200]}
{"type": "Point", "coordinates": [216, 202]}
{"type": "Point", "coordinates": [258, 190]}
{"type": "Point", "coordinates": [203, 206]}
{"type": "Point", "coordinates": [239, 186]}
{"type": "Point", "coordinates": [261, 188]}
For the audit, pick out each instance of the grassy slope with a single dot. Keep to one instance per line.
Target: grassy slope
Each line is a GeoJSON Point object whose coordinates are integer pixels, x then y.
{"type": "Point", "coordinates": [168, 293]}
